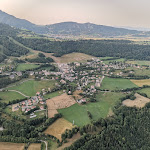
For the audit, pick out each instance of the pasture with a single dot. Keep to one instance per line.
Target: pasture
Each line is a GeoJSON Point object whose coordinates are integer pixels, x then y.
{"type": "Point", "coordinates": [58, 127]}
{"type": "Point", "coordinates": [139, 102]}
{"type": "Point", "coordinates": [11, 146]}
{"type": "Point", "coordinates": [99, 109]}
{"type": "Point", "coordinates": [146, 91]}
{"type": "Point", "coordinates": [140, 83]}
{"type": "Point", "coordinates": [9, 96]}
{"type": "Point", "coordinates": [24, 67]}
{"type": "Point", "coordinates": [53, 94]}
{"type": "Point", "coordinates": [139, 62]}
{"type": "Point", "coordinates": [59, 102]}
{"type": "Point", "coordinates": [30, 87]}
{"type": "Point", "coordinates": [116, 84]}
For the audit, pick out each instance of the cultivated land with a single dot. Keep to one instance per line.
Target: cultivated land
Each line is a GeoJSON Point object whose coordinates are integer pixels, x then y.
{"type": "Point", "coordinates": [23, 67]}
{"type": "Point", "coordinates": [140, 101]}
{"type": "Point", "coordinates": [59, 102]}
{"type": "Point", "coordinates": [11, 146]}
{"type": "Point", "coordinates": [35, 146]}
{"type": "Point", "coordinates": [9, 96]}
{"type": "Point", "coordinates": [99, 109]}
{"type": "Point", "coordinates": [116, 84]}
{"type": "Point", "coordinates": [58, 127]}
{"type": "Point", "coordinates": [140, 83]}
{"type": "Point", "coordinates": [30, 87]}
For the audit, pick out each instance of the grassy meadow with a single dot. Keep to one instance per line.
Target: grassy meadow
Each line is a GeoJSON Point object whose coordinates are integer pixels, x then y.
{"type": "Point", "coordinates": [23, 67]}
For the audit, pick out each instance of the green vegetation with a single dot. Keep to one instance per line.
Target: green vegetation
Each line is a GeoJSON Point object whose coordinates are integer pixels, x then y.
{"type": "Point", "coordinates": [118, 60]}
{"type": "Point", "coordinates": [9, 96]}
{"type": "Point", "coordinates": [146, 91]}
{"type": "Point", "coordinates": [30, 87]}
{"type": "Point", "coordinates": [53, 94]}
{"type": "Point", "coordinates": [99, 109]}
{"type": "Point", "coordinates": [116, 84]}
{"type": "Point", "coordinates": [143, 63]}
{"type": "Point", "coordinates": [23, 67]}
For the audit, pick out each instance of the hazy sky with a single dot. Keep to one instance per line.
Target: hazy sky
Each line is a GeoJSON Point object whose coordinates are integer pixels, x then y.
{"type": "Point", "coordinates": [107, 12]}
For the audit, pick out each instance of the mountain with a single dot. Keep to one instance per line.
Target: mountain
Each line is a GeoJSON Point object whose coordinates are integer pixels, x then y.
{"type": "Point", "coordinates": [21, 23]}
{"type": "Point", "coordinates": [67, 28]}
{"type": "Point", "coordinates": [88, 29]}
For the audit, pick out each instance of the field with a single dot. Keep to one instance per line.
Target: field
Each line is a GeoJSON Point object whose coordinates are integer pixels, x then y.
{"type": "Point", "coordinates": [141, 82]}
{"type": "Point", "coordinates": [59, 102]}
{"type": "Point", "coordinates": [138, 62]}
{"type": "Point", "coordinates": [58, 127]}
{"type": "Point", "coordinates": [140, 101]}
{"type": "Point", "coordinates": [99, 109]}
{"type": "Point", "coordinates": [119, 60]}
{"type": "Point", "coordinates": [23, 67]}
{"type": "Point", "coordinates": [146, 91]}
{"type": "Point", "coordinates": [30, 87]}
{"type": "Point", "coordinates": [35, 146]}
{"type": "Point", "coordinates": [116, 84]}
{"type": "Point", "coordinates": [54, 94]}
{"type": "Point", "coordinates": [11, 146]}
{"type": "Point", "coordinates": [72, 57]}
{"type": "Point", "coordinates": [9, 96]}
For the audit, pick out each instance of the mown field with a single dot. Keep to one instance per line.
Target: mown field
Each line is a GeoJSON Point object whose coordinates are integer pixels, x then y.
{"type": "Point", "coordinates": [11, 146]}
{"type": "Point", "coordinates": [146, 91]}
{"type": "Point", "coordinates": [99, 109]}
{"type": "Point", "coordinates": [108, 61]}
{"type": "Point", "coordinates": [30, 87]}
{"type": "Point", "coordinates": [23, 67]}
{"type": "Point", "coordinates": [138, 62]}
{"type": "Point", "coordinates": [9, 96]}
{"type": "Point", "coordinates": [141, 82]}
{"type": "Point", "coordinates": [35, 146]}
{"type": "Point", "coordinates": [116, 84]}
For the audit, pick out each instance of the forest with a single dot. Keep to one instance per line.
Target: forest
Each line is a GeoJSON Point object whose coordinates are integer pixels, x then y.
{"type": "Point", "coordinates": [100, 48]}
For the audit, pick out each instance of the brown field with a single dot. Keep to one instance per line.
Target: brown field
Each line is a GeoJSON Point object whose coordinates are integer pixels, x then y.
{"type": "Point", "coordinates": [76, 94]}
{"type": "Point", "coordinates": [58, 127]}
{"type": "Point", "coordinates": [59, 102]}
{"type": "Point", "coordinates": [13, 107]}
{"type": "Point", "coordinates": [140, 101]}
{"type": "Point", "coordinates": [11, 146]}
{"type": "Point", "coordinates": [35, 146]}
{"type": "Point", "coordinates": [141, 82]}
{"type": "Point", "coordinates": [72, 57]}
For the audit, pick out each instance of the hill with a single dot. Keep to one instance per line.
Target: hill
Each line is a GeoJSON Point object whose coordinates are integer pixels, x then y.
{"type": "Point", "coordinates": [21, 23]}
{"type": "Point", "coordinates": [68, 29]}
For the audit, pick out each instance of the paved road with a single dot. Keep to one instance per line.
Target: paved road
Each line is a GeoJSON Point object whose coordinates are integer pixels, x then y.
{"type": "Point", "coordinates": [45, 144]}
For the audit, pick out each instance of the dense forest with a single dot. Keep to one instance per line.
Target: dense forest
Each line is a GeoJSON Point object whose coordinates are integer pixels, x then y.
{"type": "Point", "coordinates": [128, 129]}
{"type": "Point", "coordinates": [99, 48]}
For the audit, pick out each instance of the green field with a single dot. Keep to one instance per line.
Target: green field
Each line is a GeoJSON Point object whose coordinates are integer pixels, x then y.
{"type": "Point", "coordinates": [30, 87]}
{"type": "Point", "coordinates": [54, 94]}
{"type": "Point", "coordinates": [116, 84]}
{"type": "Point", "coordinates": [146, 91]}
{"type": "Point", "coordinates": [138, 62]}
{"type": "Point", "coordinates": [23, 67]}
{"type": "Point", "coordinates": [108, 61]}
{"type": "Point", "coordinates": [99, 109]}
{"type": "Point", "coordinates": [9, 96]}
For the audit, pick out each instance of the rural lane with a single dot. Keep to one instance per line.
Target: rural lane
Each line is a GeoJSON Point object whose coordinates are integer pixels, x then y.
{"type": "Point", "coordinates": [45, 144]}
{"type": "Point", "coordinates": [19, 93]}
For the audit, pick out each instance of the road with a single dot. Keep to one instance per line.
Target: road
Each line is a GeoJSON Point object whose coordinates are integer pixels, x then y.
{"type": "Point", "coordinates": [45, 144]}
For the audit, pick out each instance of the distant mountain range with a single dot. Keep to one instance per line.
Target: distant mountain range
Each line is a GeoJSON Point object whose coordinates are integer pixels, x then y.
{"type": "Point", "coordinates": [68, 29]}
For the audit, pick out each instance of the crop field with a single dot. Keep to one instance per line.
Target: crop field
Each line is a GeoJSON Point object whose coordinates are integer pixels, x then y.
{"type": "Point", "coordinates": [138, 62]}
{"type": "Point", "coordinates": [72, 57]}
{"type": "Point", "coordinates": [35, 146]}
{"type": "Point", "coordinates": [9, 96]}
{"type": "Point", "coordinates": [99, 109]}
{"type": "Point", "coordinates": [11, 146]}
{"type": "Point", "coordinates": [59, 102]}
{"type": "Point", "coordinates": [140, 101]}
{"type": "Point", "coordinates": [58, 127]}
{"type": "Point", "coordinates": [141, 82]}
{"type": "Point", "coordinates": [30, 87]}
{"type": "Point", "coordinates": [54, 94]}
{"type": "Point", "coordinates": [116, 84]}
{"type": "Point", "coordinates": [23, 67]}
